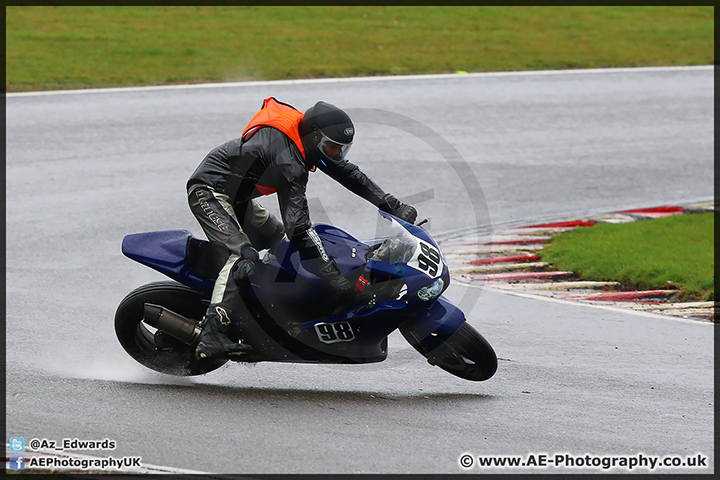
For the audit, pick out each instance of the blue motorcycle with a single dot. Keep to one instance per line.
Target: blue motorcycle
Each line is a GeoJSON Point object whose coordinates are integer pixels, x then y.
{"type": "Point", "coordinates": [159, 324]}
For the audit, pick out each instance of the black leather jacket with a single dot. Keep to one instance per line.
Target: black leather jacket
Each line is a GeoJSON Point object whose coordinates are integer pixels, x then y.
{"type": "Point", "coordinates": [270, 162]}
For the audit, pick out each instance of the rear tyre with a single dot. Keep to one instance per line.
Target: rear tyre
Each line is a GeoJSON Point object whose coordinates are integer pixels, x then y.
{"type": "Point", "coordinates": [152, 348]}
{"type": "Point", "coordinates": [465, 353]}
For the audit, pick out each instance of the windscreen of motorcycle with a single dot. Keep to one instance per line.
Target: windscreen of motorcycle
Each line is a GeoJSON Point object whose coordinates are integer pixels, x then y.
{"type": "Point", "coordinates": [401, 246]}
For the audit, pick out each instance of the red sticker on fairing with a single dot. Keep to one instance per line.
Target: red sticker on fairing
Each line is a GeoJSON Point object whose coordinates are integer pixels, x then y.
{"type": "Point", "coordinates": [362, 282]}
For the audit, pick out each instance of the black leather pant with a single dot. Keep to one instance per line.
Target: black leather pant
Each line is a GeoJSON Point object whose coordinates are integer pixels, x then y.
{"type": "Point", "coordinates": [221, 224]}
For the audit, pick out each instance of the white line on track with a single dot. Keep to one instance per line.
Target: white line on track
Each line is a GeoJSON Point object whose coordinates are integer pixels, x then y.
{"type": "Point", "coordinates": [312, 81]}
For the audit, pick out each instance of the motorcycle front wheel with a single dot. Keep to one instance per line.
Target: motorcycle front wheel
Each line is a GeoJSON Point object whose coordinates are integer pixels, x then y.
{"type": "Point", "coordinates": [152, 348]}
{"type": "Point", "coordinates": [465, 353]}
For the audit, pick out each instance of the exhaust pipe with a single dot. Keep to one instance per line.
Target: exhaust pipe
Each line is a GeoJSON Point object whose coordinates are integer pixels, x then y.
{"type": "Point", "coordinates": [172, 323]}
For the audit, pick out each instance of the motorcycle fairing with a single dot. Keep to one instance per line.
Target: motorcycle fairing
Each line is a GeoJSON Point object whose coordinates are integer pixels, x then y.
{"type": "Point", "coordinates": [278, 338]}
{"type": "Point", "coordinates": [441, 318]}
{"type": "Point", "coordinates": [167, 252]}
{"type": "Point", "coordinates": [174, 253]}
{"type": "Point", "coordinates": [283, 274]}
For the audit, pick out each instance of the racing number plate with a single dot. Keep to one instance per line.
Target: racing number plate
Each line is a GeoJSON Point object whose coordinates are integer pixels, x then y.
{"type": "Point", "coordinates": [334, 332]}
{"type": "Point", "coordinates": [427, 259]}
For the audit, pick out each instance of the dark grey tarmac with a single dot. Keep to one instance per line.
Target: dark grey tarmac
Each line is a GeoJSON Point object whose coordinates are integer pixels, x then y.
{"type": "Point", "coordinates": [472, 152]}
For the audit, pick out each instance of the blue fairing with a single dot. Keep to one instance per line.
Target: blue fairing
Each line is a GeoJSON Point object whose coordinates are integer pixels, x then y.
{"type": "Point", "coordinates": [442, 318]}
{"type": "Point", "coordinates": [285, 286]}
{"type": "Point", "coordinates": [166, 252]}
{"type": "Point", "coordinates": [348, 252]}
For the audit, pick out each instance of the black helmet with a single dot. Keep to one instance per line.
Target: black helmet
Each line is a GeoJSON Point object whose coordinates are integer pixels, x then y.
{"type": "Point", "coordinates": [326, 132]}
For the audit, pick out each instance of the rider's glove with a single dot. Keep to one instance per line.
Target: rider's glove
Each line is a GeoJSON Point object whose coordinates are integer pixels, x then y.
{"type": "Point", "coordinates": [346, 293]}
{"type": "Point", "coordinates": [403, 211]}
{"type": "Point", "coordinates": [406, 212]}
{"type": "Point", "coordinates": [245, 267]}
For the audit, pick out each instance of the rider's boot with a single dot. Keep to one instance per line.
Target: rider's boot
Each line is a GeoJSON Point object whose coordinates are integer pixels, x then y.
{"type": "Point", "coordinates": [214, 342]}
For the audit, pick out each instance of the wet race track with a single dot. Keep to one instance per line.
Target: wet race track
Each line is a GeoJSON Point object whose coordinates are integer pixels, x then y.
{"type": "Point", "coordinates": [471, 152]}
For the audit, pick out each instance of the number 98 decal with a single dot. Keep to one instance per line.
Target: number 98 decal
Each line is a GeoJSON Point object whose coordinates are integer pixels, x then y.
{"type": "Point", "coordinates": [334, 332]}
{"type": "Point", "coordinates": [428, 259]}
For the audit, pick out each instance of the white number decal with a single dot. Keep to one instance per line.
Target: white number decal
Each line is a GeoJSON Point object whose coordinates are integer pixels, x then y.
{"type": "Point", "coordinates": [428, 260]}
{"type": "Point", "coordinates": [334, 332]}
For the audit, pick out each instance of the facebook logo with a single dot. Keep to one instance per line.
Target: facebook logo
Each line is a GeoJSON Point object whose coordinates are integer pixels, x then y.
{"type": "Point", "coordinates": [17, 462]}
{"type": "Point", "coordinates": [17, 444]}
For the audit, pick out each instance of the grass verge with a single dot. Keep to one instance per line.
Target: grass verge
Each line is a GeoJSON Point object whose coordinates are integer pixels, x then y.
{"type": "Point", "coordinates": [644, 254]}
{"type": "Point", "coordinates": [65, 47]}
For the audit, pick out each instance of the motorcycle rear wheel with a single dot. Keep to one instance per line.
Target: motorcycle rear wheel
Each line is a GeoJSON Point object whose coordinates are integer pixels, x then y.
{"type": "Point", "coordinates": [161, 353]}
{"type": "Point", "coordinates": [465, 353]}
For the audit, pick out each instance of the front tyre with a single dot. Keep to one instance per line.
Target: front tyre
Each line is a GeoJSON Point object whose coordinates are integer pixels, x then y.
{"type": "Point", "coordinates": [465, 353]}
{"type": "Point", "coordinates": [159, 352]}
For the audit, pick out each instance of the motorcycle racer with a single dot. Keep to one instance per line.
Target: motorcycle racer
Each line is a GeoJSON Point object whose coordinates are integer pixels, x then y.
{"type": "Point", "coordinates": [275, 154]}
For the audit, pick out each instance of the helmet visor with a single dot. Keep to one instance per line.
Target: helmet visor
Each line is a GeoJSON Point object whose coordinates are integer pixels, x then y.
{"type": "Point", "coordinates": [333, 150]}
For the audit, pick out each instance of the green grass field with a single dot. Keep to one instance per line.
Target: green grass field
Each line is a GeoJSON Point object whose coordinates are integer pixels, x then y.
{"type": "Point", "coordinates": [645, 254]}
{"type": "Point", "coordinates": [82, 47]}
